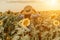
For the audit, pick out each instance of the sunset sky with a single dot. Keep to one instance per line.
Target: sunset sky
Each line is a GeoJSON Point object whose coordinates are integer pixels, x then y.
{"type": "Point", "coordinates": [39, 5]}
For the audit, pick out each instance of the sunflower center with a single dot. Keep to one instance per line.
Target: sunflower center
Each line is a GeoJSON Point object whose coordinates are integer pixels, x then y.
{"type": "Point", "coordinates": [25, 22]}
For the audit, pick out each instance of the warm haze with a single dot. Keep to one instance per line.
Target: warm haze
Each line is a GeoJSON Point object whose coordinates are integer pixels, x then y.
{"type": "Point", "coordinates": [41, 5]}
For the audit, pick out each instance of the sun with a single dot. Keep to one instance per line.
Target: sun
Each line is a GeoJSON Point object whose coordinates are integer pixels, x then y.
{"type": "Point", "coordinates": [52, 3]}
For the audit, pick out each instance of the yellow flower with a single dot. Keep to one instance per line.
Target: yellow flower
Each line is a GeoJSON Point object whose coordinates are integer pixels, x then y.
{"type": "Point", "coordinates": [56, 23]}
{"type": "Point", "coordinates": [8, 13]}
{"type": "Point", "coordinates": [25, 22]}
{"type": "Point", "coordinates": [15, 14]}
{"type": "Point", "coordinates": [1, 14]}
{"type": "Point", "coordinates": [1, 22]}
{"type": "Point", "coordinates": [53, 16]}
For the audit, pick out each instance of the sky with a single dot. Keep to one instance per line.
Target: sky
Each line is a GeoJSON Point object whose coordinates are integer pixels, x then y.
{"type": "Point", "coordinates": [39, 5]}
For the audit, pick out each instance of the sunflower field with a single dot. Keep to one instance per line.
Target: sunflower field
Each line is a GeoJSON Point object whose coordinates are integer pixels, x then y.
{"type": "Point", "coordinates": [30, 25]}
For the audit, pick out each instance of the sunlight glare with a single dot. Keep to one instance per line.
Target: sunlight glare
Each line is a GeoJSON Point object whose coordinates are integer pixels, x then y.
{"type": "Point", "coordinates": [53, 2]}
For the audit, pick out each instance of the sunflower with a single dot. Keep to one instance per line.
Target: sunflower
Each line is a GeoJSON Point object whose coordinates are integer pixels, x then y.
{"type": "Point", "coordinates": [1, 22]}
{"type": "Point", "coordinates": [53, 16]}
{"type": "Point", "coordinates": [56, 23]}
{"type": "Point", "coordinates": [1, 14]}
{"type": "Point", "coordinates": [8, 13]}
{"type": "Point", "coordinates": [15, 13]}
{"type": "Point", "coordinates": [25, 22]}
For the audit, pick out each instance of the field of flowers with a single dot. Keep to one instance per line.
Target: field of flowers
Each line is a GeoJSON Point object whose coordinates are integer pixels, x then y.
{"type": "Point", "coordinates": [30, 25]}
